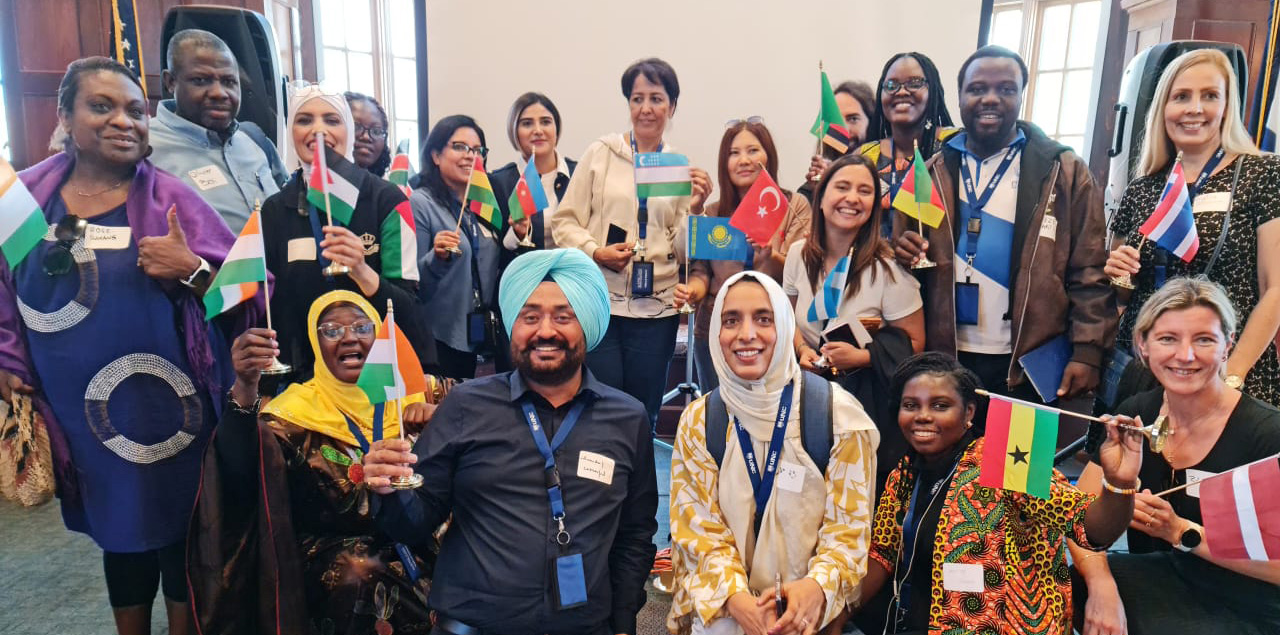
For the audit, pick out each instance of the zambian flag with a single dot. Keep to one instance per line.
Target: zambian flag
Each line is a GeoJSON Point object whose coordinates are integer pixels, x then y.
{"type": "Point", "coordinates": [399, 244]}
{"type": "Point", "coordinates": [242, 270]}
{"type": "Point", "coordinates": [332, 188]}
{"type": "Point", "coordinates": [22, 224]}
{"type": "Point", "coordinates": [1021, 441]}
{"type": "Point", "coordinates": [400, 168]}
{"type": "Point", "coordinates": [480, 197]}
{"type": "Point", "coordinates": [391, 371]}
{"type": "Point", "coordinates": [829, 126]}
{"type": "Point", "coordinates": [917, 197]}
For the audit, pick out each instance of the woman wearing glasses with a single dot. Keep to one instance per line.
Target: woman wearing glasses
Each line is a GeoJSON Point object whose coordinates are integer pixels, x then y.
{"type": "Point", "coordinates": [533, 127]}
{"type": "Point", "coordinates": [102, 325]}
{"type": "Point", "coordinates": [638, 247]}
{"type": "Point", "coordinates": [371, 151]}
{"type": "Point", "coordinates": [745, 150]}
{"type": "Point", "coordinates": [458, 252]}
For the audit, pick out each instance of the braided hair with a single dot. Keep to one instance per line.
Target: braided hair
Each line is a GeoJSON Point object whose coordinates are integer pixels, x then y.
{"type": "Point", "coordinates": [935, 109]}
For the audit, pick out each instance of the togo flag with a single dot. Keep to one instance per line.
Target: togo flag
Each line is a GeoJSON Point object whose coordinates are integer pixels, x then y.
{"type": "Point", "coordinates": [244, 267]}
{"type": "Point", "coordinates": [332, 188]}
{"type": "Point", "coordinates": [662, 174]}
{"type": "Point", "coordinates": [22, 224]}
{"type": "Point", "coordinates": [392, 370]}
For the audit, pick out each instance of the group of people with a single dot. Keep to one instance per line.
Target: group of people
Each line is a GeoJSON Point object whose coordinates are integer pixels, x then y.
{"type": "Point", "coordinates": [802, 480]}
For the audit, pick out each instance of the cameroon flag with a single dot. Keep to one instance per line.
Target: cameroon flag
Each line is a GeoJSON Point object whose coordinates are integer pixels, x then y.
{"type": "Point", "coordinates": [917, 197]}
{"type": "Point", "coordinates": [1020, 444]}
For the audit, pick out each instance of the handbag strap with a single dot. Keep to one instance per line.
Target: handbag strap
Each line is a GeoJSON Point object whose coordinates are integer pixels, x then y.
{"type": "Point", "coordinates": [1226, 220]}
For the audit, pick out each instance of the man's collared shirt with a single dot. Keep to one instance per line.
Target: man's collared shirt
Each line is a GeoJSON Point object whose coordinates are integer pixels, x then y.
{"type": "Point", "coordinates": [480, 463]}
{"type": "Point", "coordinates": [230, 176]}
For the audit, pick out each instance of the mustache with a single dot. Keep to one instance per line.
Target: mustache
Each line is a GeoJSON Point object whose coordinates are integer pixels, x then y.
{"type": "Point", "coordinates": [552, 341]}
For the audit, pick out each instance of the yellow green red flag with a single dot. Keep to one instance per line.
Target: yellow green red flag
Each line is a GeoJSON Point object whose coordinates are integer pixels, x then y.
{"type": "Point", "coordinates": [1021, 441]}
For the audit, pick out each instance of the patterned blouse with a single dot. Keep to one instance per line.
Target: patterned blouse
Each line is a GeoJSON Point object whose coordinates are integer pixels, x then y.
{"type": "Point", "coordinates": [1017, 538]}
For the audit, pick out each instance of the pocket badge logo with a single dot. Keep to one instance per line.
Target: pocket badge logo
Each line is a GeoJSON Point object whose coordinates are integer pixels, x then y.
{"type": "Point", "coordinates": [370, 243]}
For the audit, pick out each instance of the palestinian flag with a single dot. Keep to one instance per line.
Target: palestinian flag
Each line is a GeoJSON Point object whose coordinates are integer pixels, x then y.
{"type": "Point", "coordinates": [22, 223]}
{"type": "Point", "coordinates": [917, 197]}
{"type": "Point", "coordinates": [391, 371]}
{"type": "Point", "coordinates": [1020, 443]}
{"type": "Point", "coordinates": [829, 126]}
{"type": "Point", "coordinates": [662, 174]}
{"type": "Point", "coordinates": [400, 168]}
{"type": "Point", "coordinates": [399, 244]}
{"type": "Point", "coordinates": [480, 198]}
{"type": "Point", "coordinates": [238, 278]}
{"type": "Point", "coordinates": [332, 188]}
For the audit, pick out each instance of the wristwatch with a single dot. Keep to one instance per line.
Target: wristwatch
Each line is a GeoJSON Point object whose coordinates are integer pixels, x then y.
{"type": "Point", "coordinates": [1234, 381]}
{"type": "Point", "coordinates": [200, 275]}
{"type": "Point", "coordinates": [1191, 538]}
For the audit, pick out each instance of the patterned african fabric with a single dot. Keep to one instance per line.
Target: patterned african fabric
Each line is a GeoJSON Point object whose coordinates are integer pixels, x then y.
{"type": "Point", "coordinates": [1018, 540]}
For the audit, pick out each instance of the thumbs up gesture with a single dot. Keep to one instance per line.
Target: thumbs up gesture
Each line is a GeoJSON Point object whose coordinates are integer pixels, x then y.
{"type": "Point", "coordinates": [167, 257]}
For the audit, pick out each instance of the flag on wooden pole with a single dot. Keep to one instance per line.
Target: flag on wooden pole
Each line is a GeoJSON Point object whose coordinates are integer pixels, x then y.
{"type": "Point", "coordinates": [1020, 443]}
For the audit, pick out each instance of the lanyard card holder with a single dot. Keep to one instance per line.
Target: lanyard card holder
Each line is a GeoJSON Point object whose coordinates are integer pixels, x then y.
{"type": "Point", "coordinates": [642, 278]}
{"type": "Point", "coordinates": [570, 581]}
{"type": "Point", "coordinates": [967, 303]}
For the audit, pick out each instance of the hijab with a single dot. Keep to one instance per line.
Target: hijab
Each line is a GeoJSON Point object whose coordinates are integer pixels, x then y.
{"type": "Point", "coordinates": [303, 95]}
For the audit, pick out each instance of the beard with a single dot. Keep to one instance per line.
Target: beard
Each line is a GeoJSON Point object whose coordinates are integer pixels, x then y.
{"type": "Point", "coordinates": [549, 373]}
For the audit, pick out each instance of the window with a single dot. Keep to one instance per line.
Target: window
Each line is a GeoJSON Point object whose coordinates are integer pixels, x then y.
{"type": "Point", "coordinates": [368, 46]}
{"type": "Point", "coordinates": [1058, 39]}
{"type": "Point", "coordinates": [4, 122]}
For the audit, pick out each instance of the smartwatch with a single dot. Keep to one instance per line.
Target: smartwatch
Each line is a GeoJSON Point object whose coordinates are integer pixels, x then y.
{"type": "Point", "coordinates": [1191, 538]}
{"type": "Point", "coordinates": [200, 276]}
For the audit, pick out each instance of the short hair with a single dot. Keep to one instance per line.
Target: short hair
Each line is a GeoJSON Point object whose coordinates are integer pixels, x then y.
{"type": "Point", "coordinates": [1180, 294]}
{"type": "Point", "coordinates": [655, 70]}
{"type": "Point", "coordinates": [379, 165]}
{"type": "Point", "coordinates": [517, 109]}
{"type": "Point", "coordinates": [69, 88]}
{"type": "Point", "coordinates": [1157, 148]}
{"type": "Point", "coordinates": [197, 38]}
{"type": "Point", "coordinates": [429, 176]}
{"type": "Point", "coordinates": [935, 109]}
{"type": "Point", "coordinates": [860, 91]}
{"type": "Point", "coordinates": [728, 193]}
{"type": "Point", "coordinates": [939, 365]}
{"type": "Point", "coordinates": [992, 50]}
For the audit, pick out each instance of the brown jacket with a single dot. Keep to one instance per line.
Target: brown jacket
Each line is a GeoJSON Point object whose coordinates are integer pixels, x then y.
{"type": "Point", "coordinates": [1058, 284]}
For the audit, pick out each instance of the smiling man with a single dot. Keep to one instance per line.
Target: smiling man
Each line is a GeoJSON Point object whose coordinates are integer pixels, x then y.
{"type": "Point", "coordinates": [1020, 251]}
{"type": "Point", "coordinates": [195, 135]}
{"type": "Point", "coordinates": [548, 473]}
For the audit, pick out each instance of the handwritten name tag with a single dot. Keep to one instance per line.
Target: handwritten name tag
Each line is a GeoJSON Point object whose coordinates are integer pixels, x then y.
{"type": "Point", "coordinates": [302, 249]}
{"type": "Point", "coordinates": [207, 177]}
{"type": "Point", "coordinates": [966, 578]}
{"type": "Point", "coordinates": [1211, 202]}
{"type": "Point", "coordinates": [596, 467]}
{"type": "Point", "coordinates": [99, 237]}
{"type": "Point", "coordinates": [1049, 227]}
{"type": "Point", "coordinates": [790, 477]}
{"type": "Point", "coordinates": [1195, 476]}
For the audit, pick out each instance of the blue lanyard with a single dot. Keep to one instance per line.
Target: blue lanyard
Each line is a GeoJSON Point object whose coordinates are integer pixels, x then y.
{"type": "Point", "coordinates": [378, 410]}
{"type": "Point", "coordinates": [643, 216]}
{"type": "Point", "coordinates": [976, 204]}
{"type": "Point", "coordinates": [1205, 173]}
{"type": "Point", "coordinates": [554, 493]}
{"type": "Point", "coordinates": [762, 483]}
{"type": "Point", "coordinates": [313, 215]}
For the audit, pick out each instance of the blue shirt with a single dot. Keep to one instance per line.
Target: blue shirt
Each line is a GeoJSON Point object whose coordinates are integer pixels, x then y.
{"type": "Point", "coordinates": [447, 286]}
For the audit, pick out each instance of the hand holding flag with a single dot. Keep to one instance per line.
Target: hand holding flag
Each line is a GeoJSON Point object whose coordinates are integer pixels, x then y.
{"type": "Point", "coordinates": [479, 197]}
{"type": "Point", "coordinates": [916, 197]}
{"type": "Point", "coordinates": [761, 210]}
{"type": "Point", "coordinates": [332, 188]}
{"type": "Point", "coordinates": [1172, 225]}
{"type": "Point", "coordinates": [391, 371]}
{"type": "Point", "coordinates": [244, 267]}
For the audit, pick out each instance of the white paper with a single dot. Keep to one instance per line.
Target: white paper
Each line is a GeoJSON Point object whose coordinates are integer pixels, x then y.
{"type": "Point", "coordinates": [790, 477]}
{"type": "Point", "coordinates": [302, 249]}
{"type": "Point", "coordinates": [207, 177]}
{"type": "Point", "coordinates": [1195, 476]}
{"type": "Point", "coordinates": [596, 467]}
{"type": "Point", "coordinates": [99, 237]}
{"type": "Point", "coordinates": [1049, 227]}
{"type": "Point", "coordinates": [1211, 202]}
{"type": "Point", "coordinates": [966, 578]}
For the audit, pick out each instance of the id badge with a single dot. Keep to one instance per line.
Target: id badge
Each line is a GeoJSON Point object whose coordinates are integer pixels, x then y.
{"type": "Point", "coordinates": [642, 278]}
{"type": "Point", "coordinates": [571, 582]}
{"type": "Point", "coordinates": [476, 327]}
{"type": "Point", "coordinates": [967, 303]}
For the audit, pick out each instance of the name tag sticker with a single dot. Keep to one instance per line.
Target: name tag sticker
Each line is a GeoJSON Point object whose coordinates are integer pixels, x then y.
{"type": "Point", "coordinates": [965, 578]}
{"type": "Point", "coordinates": [99, 237]}
{"type": "Point", "coordinates": [790, 477]}
{"type": "Point", "coordinates": [1195, 476]}
{"type": "Point", "coordinates": [596, 467]}
{"type": "Point", "coordinates": [1049, 227]}
{"type": "Point", "coordinates": [207, 177]}
{"type": "Point", "coordinates": [1211, 202]}
{"type": "Point", "coordinates": [302, 249]}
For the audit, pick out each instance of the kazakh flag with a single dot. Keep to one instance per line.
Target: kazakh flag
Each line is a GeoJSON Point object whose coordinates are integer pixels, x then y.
{"type": "Point", "coordinates": [244, 267]}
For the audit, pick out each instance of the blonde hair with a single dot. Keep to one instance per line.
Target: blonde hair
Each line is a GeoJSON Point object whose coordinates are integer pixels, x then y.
{"type": "Point", "coordinates": [1157, 148]}
{"type": "Point", "coordinates": [1180, 294]}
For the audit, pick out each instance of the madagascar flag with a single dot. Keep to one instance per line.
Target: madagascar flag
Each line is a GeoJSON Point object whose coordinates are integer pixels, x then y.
{"type": "Point", "coordinates": [480, 198]}
{"type": "Point", "coordinates": [917, 197]}
{"type": "Point", "coordinates": [1020, 443]}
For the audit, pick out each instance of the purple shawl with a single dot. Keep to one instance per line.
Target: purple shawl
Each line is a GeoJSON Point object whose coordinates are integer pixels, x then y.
{"type": "Point", "coordinates": [151, 194]}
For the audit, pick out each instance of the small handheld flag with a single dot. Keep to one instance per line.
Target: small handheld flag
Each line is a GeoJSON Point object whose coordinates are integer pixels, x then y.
{"type": "Point", "coordinates": [400, 168]}
{"type": "Point", "coordinates": [1242, 513]}
{"type": "Point", "coordinates": [391, 371]}
{"type": "Point", "coordinates": [1020, 443]}
{"type": "Point", "coordinates": [332, 188]}
{"type": "Point", "coordinates": [826, 302]}
{"type": "Point", "coordinates": [22, 223]}
{"type": "Point", "coordinates": [761, 210]}
{"type": "Point", "coordinates": [528, 197]}
{"type": "Point", "coordinates": [712, 238]}
{"type": "Point", "coordinates": [662, 174]}
{"type": "Point", "coordinates": [244, 267]}
{"type": "Point", "coordinates": [829, 126]}
{"type": "Point", "coordinates": [480, 198]}
{"type": "Point", "coordinates": [917, 197]}
{"type": "Point", "coordinates": [1172, 225]}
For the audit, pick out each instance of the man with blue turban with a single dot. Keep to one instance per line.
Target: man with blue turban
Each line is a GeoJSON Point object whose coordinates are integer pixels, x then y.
{"type": "Point", "coordinates": [548, 473]}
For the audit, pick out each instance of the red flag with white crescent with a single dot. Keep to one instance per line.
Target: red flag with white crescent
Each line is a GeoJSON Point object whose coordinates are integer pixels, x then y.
{"type": "Point", "coordinates": [761, 210]}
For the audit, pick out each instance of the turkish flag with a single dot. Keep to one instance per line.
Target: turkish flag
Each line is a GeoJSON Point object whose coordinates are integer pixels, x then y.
{"type": "Point", "coordinates": [761, 210]}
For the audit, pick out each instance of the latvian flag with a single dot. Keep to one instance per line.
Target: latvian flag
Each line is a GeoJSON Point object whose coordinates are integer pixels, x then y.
{"type": "Point", "coordinates": [244, 267]}
{"type": "Point", "coordinates": [399, 244]}
{"type": "Point", "coordinates": [400, 168]}
{"type": "Point", "coordinates": [332, 188]}
{"type": "Point", "coordinates": [1241, 512]}
{"type": "Point", "coordinates": [391, 371]}
{"type": "Point", "coordinates": [1172, 225]}
{"type": "Point", "coordinates": [22, 224]}
{"type": "Point", "coordinates": [662, 174]}
{"type": "Point", "coordinates": [827, 301]}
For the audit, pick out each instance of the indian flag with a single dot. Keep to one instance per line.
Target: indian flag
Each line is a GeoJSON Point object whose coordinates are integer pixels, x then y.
{"type": "Point", "coordinates": [400, 168]}
{"type": "Point", "coordinates": [480, 197]}
{"type": "Point", "coordinates": [399, 244]}
{"type": "Point", "coordinates": [1020, 443]}
{"type": "Point", "coordinates": [22, 223]}
{"type": "Point", "coordinates": [391, 371]}
{"type": "Point", "coordinates": [333, 189]}
{"type": "Point", "coordinates": [662, 174]}
{"type": "Point", "coordinates": [244, 267]}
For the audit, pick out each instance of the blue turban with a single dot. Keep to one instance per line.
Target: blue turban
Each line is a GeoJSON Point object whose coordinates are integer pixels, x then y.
{"type": "Point", "coordinates": [579, 278]}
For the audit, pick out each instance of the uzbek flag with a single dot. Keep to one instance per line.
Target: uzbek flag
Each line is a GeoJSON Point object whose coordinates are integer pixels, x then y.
{"type": "Point", "coordinates": [22, 223]}
{"type": "Point", "coordinates": [662, 174]}
{"type": "Point", "coordinates": [917, 197]}
{"type": "Point", "coordinates": [528, 197]}
{"type": "Point", "coordinates": [391, 371]}
{"type": "Point", "coordinates": [244, 267]}
{"type": "Point", "coordinates": [829, 126]}
{"type": "Point", "coordinates": [399, 244]}
{"type": "Point", "coordinates": [332, 188]}
{"type": "Point", "coordinates": [826, 302]}
{"type": "Point", "coordinates": [1021, 440]}
{"type": "Point", "coordinates": [400, 168]}
{"type": "Point", "coordinates": [480, 198]}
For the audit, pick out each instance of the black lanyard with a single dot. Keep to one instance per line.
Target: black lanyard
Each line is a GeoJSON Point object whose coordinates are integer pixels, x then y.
{"type": "Point", "coordinates": [762, 479]}
{"type": "Point", "coordinates": [552, 475]}
{"type": "Point", "coordinates": [972, 213]}
{"type": "Point", "coordinates": [642, 217]}
{"type": "Point", "coordinates": [471, 229]}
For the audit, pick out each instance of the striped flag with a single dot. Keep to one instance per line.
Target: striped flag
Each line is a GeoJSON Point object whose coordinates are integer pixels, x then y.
{"type": "Point", "coordinates": [125, 40]}
{"type": "Point", "coordinates": [1172, 224]}
{"type": "Point", "coordinates": [827, 300]}
{"type": "Point", "coordinates": [399, 244]}
{"type": "Point", "coordinates": [480, 198]}
{"type": "Point", "coordinates": [332, 188]}
{"type": "Point", "coordinates": [829, 126]}
{"type": "Point", "coordinates": [244, 267]}
{"type": "Point", "coordinates": [1020, 443]}
{"type": "Point", "coordinates": [917, 197]}
{"type": "Point", "coordinates": [662, 174]}
{"type": "Point", "coordinates": [391, 371]}
{"type": "Point", "coordinates": [1242, 513]}
{"type": "Point", "coordinates": [22, 223]}
{"type": "Point", "coordinates": [400, 168]}
{"type": "Point", "coordinates": [528, 197]}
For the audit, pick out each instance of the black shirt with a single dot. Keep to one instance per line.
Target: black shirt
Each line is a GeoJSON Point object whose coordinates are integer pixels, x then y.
{"type": "Point", "coordinates": [480, 463]}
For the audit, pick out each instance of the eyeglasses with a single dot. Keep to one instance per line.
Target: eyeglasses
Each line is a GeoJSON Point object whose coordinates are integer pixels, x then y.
{"type": "Point", "coordinates": [756, 119]}
{"type": "Point", "coordinates": [363, 330]}
{"type": "Point", "coordinates": [912, 85]}
{"type": "Point", "coordinates": [69, 229]}
{"type": "Point", "coordinates": [464, 149]}
{"type": "Point", "coordinates": [374, 133]}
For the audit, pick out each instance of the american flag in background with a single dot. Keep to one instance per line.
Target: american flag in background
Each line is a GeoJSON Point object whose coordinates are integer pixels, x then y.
{"type": "Point", "coordinates": [124, 38]}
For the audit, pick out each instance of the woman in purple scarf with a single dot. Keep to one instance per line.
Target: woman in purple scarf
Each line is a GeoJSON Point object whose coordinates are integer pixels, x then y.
{"type": "Point", "coordinates": [102, 322]}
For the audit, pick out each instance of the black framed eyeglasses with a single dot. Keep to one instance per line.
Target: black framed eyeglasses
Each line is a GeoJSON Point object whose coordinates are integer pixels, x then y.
{"type": "Point", "coordinates": [912, 85]}
{"type": "Point", "coordinates": [464, 149]}
{"type": "Point", "coordinates": [69, 229]}
{"type": "Point", "coordinates": [333, 332]}
{"type": "Point", "coordinates": [374, 133]}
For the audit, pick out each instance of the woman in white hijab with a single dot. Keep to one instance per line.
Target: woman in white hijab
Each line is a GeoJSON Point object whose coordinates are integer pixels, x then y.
{"type": "Point", "coordinates": [813, 531]}
{"type": "Point", "coordinates": [377, 244]}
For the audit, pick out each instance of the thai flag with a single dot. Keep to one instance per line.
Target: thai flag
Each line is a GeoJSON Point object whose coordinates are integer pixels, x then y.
{"type": "Point", "coordinates": [1241, 512]}
{"type": "Point", "coordinates": [1172, 225]}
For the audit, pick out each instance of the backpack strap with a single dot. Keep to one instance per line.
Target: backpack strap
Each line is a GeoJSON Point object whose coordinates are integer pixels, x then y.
{"type": "Point", "coordinates": [816, 432]}
{"type": "Point", "coordinates": [715, 418]}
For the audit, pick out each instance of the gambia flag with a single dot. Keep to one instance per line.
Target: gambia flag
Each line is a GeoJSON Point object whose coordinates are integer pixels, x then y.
{"type": "Point", "coordinates": [332, 188]}
{"type": "Point", "coordinates": [528, 197]}
{"type": "Point", "coordinates": [400, 168]}
{"type": "Point", "coordinates": [662, 174]}
{"type": "Point", "coordinates": [829, 126]}
{"type": "Point", "coordinates": [391, 371]}
{"type": "Point", "coordinates": [399, 244]}
{"type": "Point", "coordinates": [1021, 440]}
{"type": "Point", "coordinates": [242, 270]}
{"type": "Point", "coordinates": [22, 223]}
{"type": "Point", "coordinates": [480, 198]}
{"type": "Point", "coordinates": [917, 197]}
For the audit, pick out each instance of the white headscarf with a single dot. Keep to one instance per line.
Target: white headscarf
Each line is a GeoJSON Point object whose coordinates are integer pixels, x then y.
{"type": "Point", "coordinates": [303, 95]}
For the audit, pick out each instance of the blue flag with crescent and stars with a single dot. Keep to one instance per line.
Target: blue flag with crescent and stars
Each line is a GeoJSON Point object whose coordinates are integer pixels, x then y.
{"type": "Point", "coordinates": [124, 38]}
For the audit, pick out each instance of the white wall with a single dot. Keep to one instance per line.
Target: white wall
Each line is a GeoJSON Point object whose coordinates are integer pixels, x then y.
{"type": "Point", "coordinates": [734, 58]}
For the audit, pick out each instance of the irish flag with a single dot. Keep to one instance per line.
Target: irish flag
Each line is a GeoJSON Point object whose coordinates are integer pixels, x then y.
{"type": "Point", "coordinates": [332, 188]}
{"type": "Point", "coordinates": [399, 244]}
{"type": "Point", "coordinates": [662, 174]}
{"type": "Point", "coordinates": [244, 268]}
{"type": "Point", "coordinates": [392, 370]}
{"type": "Point", "coordinates": [22, 224]}
{"type": "Point", "coordinates": [480, 198]}
{"type": "Point", "coordinates": [400, 168]}
{"type": "Point", "coordinates": [1020, 443]}
{"type": "Point", "coordinates": [917, 197]}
